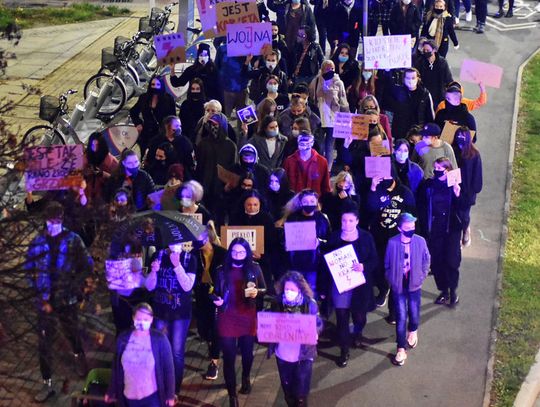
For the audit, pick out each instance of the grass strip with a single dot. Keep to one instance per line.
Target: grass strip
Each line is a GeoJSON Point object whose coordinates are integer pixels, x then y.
{"type": "Point", "coordinates": [518, 327]}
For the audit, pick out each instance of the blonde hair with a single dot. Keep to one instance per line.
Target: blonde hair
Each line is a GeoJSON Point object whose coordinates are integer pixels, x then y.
{"type": "Point", "coordinates": [214, 103]}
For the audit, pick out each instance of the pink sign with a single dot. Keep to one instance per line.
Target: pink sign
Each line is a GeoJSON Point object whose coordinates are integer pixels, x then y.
{"type": "Point", "coordinates": [246, 39]}
{"type": "Point", "coordinates": [378, 167]}
{"type": "Point", "coordinates": [281, 327]}
{"type": "Point", "coordinates": [476, 71]}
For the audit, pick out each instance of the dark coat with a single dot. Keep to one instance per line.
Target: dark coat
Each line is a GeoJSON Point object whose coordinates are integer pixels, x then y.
{"type": "Point", "coordinates": [471, 178]}
{"type": "Point", "coordinates": [347, 26]}
{"type": "Point", "coordinates": [259, 142]}
{"type": "Point", "coordinates": [458, 115]}
{"type": "Point", "coordinates": [408, 24]}
{"type": "Point", "coordinates": [410, 109]}
{"type": "Point", "coordinates": [221, 285]}
{"type": "Point", "coordinates": [426, 193]}
{"type": "Point", "coordinates": [183, 149]}
{"type": "Point", "coordinates": [191, 112]}
{"type": "Point", "coordinates": [434, 78]}
{"type": "Point", "coordinates": [260, 76]}
{"type": "Point", "coordinates": [142, 185]}
{"type": "Point", "coordinates": [208, 73]}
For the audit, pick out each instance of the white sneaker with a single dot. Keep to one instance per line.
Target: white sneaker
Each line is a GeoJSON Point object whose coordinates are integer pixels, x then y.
{"type": "Point", "coordinates": [456, 20]}
{"type": "Point", "coordinates": [468, 16]}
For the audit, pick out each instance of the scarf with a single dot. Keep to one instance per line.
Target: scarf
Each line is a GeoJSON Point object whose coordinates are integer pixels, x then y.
{"type": "Point", "coordinates": [436, 27]}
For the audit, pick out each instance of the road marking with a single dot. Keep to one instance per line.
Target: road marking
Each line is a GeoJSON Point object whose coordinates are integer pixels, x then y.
{"type": "Point", "coordinates": [491, 22]}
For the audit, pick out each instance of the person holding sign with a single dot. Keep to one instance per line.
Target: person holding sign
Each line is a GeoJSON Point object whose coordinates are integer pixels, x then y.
{"type": "Point", "coordinates": [238, 283]}
{"type": "Point", "coordinates": [405, 18]}
{"type": "Point", "coordinates": [455, 111]}
{"type": "Point", "coordinates": [359, 300]}
{"type": "Point", "coordinates": [190, 195]}
{"type": "Point", "coordinates": [406, 265]}
{"type": "Point", "coordinates": [294, 360]}
{"type": "Point", "coordinates": [432, 147]}
{"type": "Point", "coordinates": [438, 206]}
{"type": "Point", "coordinates": [470, 164]}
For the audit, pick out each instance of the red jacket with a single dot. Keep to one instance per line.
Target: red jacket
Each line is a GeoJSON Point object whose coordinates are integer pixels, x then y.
{"type": "Point", "coordinates": [316, 177]}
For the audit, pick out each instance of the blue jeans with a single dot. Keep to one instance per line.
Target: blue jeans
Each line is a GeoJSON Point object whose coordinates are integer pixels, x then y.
{"type": "Point", "coordinates": [406, 303]}
{"type": "Point", "coordinates": [329, 145]}
{"type": "Point", "coordinates": [150, 401]}
{"type": "Point", "coordinates": [295, 377]}
{"type": "Point", "coordinates": [176, 331]}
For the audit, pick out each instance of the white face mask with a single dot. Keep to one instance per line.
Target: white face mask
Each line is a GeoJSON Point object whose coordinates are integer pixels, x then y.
{"type": "Point", "coordinates": [401, 157]}
{"type": "Point", "coordinates": [291, 295]}
{"type": "Point", "coordinates": [295, 133]}
{"type": "Point", "coordinates": [406, 2]}
{"type": "Point", "coordinates": [54, 229]}
{"type": "Point", "coordinates": [142, 325]}
{"type": "Point", "coordinates": [367, 75]}
{"type": "Point", "coordinates": [203, 59]}
{"type": "Point", "coordinates": [186, 202]}
{"type": "Point", "coordinates": [410, 83]}
{"type": "Point", "coordinates": [270, 65]}
{"type": "Point", "coordinates": [252, 213]}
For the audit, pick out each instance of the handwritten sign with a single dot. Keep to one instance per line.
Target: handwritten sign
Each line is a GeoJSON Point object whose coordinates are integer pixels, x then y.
{"type": "Point", "coordinates": [301, 236]}
{"type": "Point", "coordinates": [387, 52]}
{"type": "Point", "coordinates": [228, 177]}
{"type": "Point", "coordinates": [207, 15]}
{"type": "Point", "coordinates": [228, 13]}
{"type": "Point", "coordinates": [351, 125]}
{"type": "Point", "coordinates": [253, 234]}
{"type": "Point", "coordinates": [123, 274]}
{"type": "Point", "coordinates": [247, 115]}
{"type": "Point", "coordinates": [118, 138]}
{"type": "Point", "coordinates": [340, 264]}
{"type": "Point", "coordinates": [170, 48]}
{"type": "Point", "coordinates": [453, 177]}
{"type": "Point", "coordinates": [378, 167]}
{"type": "Point", "coordinates": [378, 148]}
{"type": "Point", "coordinates": [246, 39]}
{"type": "Point", "coordinates": [281, 327]}
{"type": "Point", "coordinates": [476, 71]}
{"type": "Point", "coordinates": [53, 167]}
{"type": "Point", "coordinates": [449, 131]}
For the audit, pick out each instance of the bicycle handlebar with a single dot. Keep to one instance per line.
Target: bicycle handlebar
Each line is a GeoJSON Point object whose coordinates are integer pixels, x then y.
{"type": "Point", "coordinates": [71, 92]}
{"type": "Point", "coordinates": [168, 7]}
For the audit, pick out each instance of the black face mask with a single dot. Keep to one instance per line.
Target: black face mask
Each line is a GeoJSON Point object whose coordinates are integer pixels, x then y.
{"type": "Point", "coordinates": [248, 165]}
{"type": "Point", "coordinates": [387, 183]}
{"type": "Point", "coordinates": [438, 11]}
{"type": "Point", "coordinates": [372, 126]}
{"type": "Point", "coordinates": [438, 173]}
{"type": "Point", "coordinates": [408, 233]}
{"type": "Point", "coordinates": [132, 172]}
{"type": "Point", "coordinates": [328, 75]}
{"type": "Point", "coordinates": [309, 208]}
{"type": "Point", "coordinates": [347, 190]}
{"type": "Point", "coordinates": [427, 55]}
{"type": "Point", "coordinates": [238, 263]}
{"type": "Point", "coordinates": [154, 91]}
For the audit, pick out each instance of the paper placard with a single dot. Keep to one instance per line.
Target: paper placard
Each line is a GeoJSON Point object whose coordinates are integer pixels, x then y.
{"type": "Point", "coordinates": [453, 177]}
{"type": "Point", "coordinates": [340, 264]}
{"type": "Point", "coordinates": [301, 236]}
{"type": "Point", "coordinates": [53, 167]}
{"type": "Point", "coordinates": [449, 131]}
{"type": "Point", "coordinates": [123, 274]}
{"type": "Point", "coordinates": [387, 52]}
{"type": "Point", "coordinates": [228, 177]}
{"type": "Point", "coordinates": [197, 216]}
{"type": "Point", "coordinates": [378, 148]}
{"type": "Point", "coordinates": [228, 13]}
{"type": "Point", "coordinates": [170, 48]}
{"type": "Point", "coordinates": [246, 39]}
{"type": "Point", "coordinates": [207, 15]}
{"type": "Point", "coordinates": [155, 199]}
{"type": "Point", "coordinates": [378, 167]}
{"type": "Point", "coordinates": [247, 115]}
{"type": "Point", "coordinates": [253, 234]}
{"type": "Point", "coordinates": [284, 327]}
{"type": "Point", "coordinates": [476, 71]}
{"type": "Point", "coordinates": [360, 126]}
{"type": "Point", "coordinates": [351, 125]}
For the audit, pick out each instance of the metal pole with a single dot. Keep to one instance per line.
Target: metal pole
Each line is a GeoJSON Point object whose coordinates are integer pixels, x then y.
{"type": "Point", "coordinates": [365, 10]}
{"type": "Point", "coordinates": [151, 5]}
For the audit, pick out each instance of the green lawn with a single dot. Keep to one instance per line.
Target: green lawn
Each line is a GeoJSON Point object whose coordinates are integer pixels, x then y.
{"type": "Point", "coordinates": [29, 17]}
{"type": "Point", "coordinates": [518, 338]}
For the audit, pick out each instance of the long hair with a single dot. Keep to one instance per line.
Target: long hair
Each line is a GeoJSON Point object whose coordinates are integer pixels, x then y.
{"type": "Point", "coordinates": [199, 82]}
{"type": "Point", "coordinates": [264, 124]}
{"type": "Point", "coordinates": [248, 262]}
{"type": "Point", "coordinates": [469, 150]}
{"type": "Point", "coordinates": [344, 176]}
{"type": "Point", "coordinates": [296, 278]}
{"type": "Point", "coordinates": [335, 56]}
{"type": "Point", "coordinates": [96, 158]}
{"type": "Point", "coordinates": [281, 175]}
{"type": "Point", "coordinates": [120, 171]}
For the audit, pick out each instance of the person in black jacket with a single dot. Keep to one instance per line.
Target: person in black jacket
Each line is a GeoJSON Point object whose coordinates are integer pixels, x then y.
{"type": "Point", "coordinates": [260, 75]}
{"type": "Point", "coordinates": [158, 165]}
{"type": "Point", "coordinates": [150, 110]}
{"type": "Point", "coordinates": [438, 26]}
{"type": "Point", "coordinates": [405, 18]}
{"type": "Point", "coordinates": [455, 111]}
{"type": "Point", "coordinates": [438, 206]}
{"type": "Point", "coordinates": [434, 70]}
{"type": "Point", "coordinates": [470, 164]}
{"type": "Point", "coordinates": [323, 11]}
{"type": "Point", "coordinates": [192, 109]}
{"type": "Point", "coordinates": [306, 58]}
{"type": "Point", "coordinates": [298, 14]}
{"type": "Point", "coordinates": [411, 103]}
{"type": "Point", "coordinates": [278, 193]}
{"type": "Point", "coordinates": [279, 44]}
{"type": "Point", "coordinates": [203, 68]}
{"type": "Point", "coordinates": [347, 24]}
{"type": "Point", "coordinates": [346, 65]}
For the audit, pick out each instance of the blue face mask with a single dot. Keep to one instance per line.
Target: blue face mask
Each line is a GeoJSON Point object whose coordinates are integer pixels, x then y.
{"type": "Point", "coordinates": [343, 58]}
{"type": "Point", "coordinates": [271, 133]}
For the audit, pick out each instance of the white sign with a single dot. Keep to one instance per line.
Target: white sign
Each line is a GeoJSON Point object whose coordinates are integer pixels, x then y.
{"type": "Point", "coordinates": [246, 39]}
{"type": "Point", "coordinates": [123, 274]}
{"type": "Point", "coordinates": [340, 264]}
{"type": "Point", "coordinates": [387, 52]}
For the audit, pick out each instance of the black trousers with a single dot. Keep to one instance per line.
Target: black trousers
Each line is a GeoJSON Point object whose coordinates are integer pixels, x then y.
{"type": "Point", "coordinates": [343, 316]}
{"type": "Point", "coordinates": [229, 348]}
{"type": "Point", "coordinates": [445, 252]}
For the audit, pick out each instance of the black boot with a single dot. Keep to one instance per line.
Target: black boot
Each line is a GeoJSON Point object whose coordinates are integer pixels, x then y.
{"type": "Point", "coordinates": [290, 400]}
{"type": "Point", "coordinates": [233, 401]}
{"type": "Point", "coordinates": [499, 13]}
{"type": "Point", "coordinates": [302, 402]}
{"type": "Point", "coordinates": [509, 13]}
{"type": "Point", "coordinates": [343, 358]}
{"type": "Point", "coordinates": [454, 298]}
{"type": "Point", "coordinates": [246, 386]}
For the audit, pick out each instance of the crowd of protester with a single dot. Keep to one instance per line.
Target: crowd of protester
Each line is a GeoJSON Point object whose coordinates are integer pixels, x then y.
{"type": "Point", "coordinates": [286, 167]}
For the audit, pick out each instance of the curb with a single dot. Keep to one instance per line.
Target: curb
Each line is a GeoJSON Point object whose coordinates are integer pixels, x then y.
{"type": "Point", "coordinates": [530, 388]}
{"type": "Point", "coordinates": [527, 390]}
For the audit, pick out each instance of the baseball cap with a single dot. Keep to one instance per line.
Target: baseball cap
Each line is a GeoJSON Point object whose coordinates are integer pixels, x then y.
{"type": "Point", "coordinates": [430, 129]}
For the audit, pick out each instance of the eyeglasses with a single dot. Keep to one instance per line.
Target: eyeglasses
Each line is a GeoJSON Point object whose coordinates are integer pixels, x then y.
{"type": "Point", "coordinates": [238, 252]}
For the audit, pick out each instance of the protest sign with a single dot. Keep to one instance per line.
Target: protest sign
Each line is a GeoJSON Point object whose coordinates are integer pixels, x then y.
{"type": "Point", "coordinates": [453, 177]}
{"type": "Point", "coordinates": [228, 177]}
{"type": "Point", "coordinates": [170, 48]}
{"type": "Point", "coordinates": [228, 13]}
{"type": "Point", "coordinates": [378, 148]}
{"type": "Point", "coordinates": [360, 126]}
{"type": "Point", "coordinates": [476, 71]}
{"type": "Point", "coordinates": [351, 125]}
{"type": "Point", "coordinates": [282, 327]}
{"type": "Point", "coordinates": [53, 167]}
{"type": "Point", "coordinates": [123, 274]}
{"type": "Point", "coordinates": [378, 167]}
{"type": "Point", "coordinates": [449, 131]}
{"type": "Point", "coordinates": [387, 52]}
{"type": "Point", "coordinates": [248, 39]}
{"type": "Point", "coordinates": [253, 234]}
{"type": "Point", "coordinates": [207, 15]}
{"type": "Point", "coordinates": [301, 236]}
{"type": "Point", "coordinates": [340, 264]}
{"type": "Point", "coordinates": [155, 199]}
{"type": "Point", "coordinates": [120, 137]}
{"type": "Point", "coordinates": [247, 115]}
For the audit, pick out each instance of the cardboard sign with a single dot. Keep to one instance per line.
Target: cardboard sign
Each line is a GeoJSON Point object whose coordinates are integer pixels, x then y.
{"type": "Point", "coordinates": [282, 327]}
{"type": "Point", "coordinates": [476, 71]}
{"type": "Point", "coordinates": [301, 236]}
{"type": "Point", "coordinates": [228, 13]}
{"type": "Point", "coordinates": [228, 177]}
{"type": "Point", "coordinates": [119, 138]}
{"type": "Point", "coordinates": [387, 51]}
{"type": "Point", "coordinates": [453, 177]}
{"type": "Point", "coordinates": [378, 148]}
{"type": "Point", "coordinates": [123, 274]}
{"type": "Point", "coordinates": [247, 115]}
{"type": "Point", "coordinates": [246, 39]}
{"type": "Point", "coordinates": [449, 132]}
{"type": "Point", "coordinates": [378, 167]}
{"type": "Point", "coordinates": [253, 234]}
{"type": "Point", "coordinates": [351, 125]}
{"type": "Point", "coordinates": [340, 264]}
{"type": "Point", "coordinates": [53, 167]}
{"type": "Point", "coordinates": [197, 216]}
{"type": "Point", "coordinates": [170, 48]}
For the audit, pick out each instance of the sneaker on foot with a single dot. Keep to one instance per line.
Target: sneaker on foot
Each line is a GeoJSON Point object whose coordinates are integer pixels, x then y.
{"type": "Point", "coordinates": [441, 299]}
{"type": "Point", "coordinates": [380, 300]}
{"type": "Point", "coordinates": [400, 357]}
{"type": "Point", "coordinates": [45, 393]}
{"type": "Point", "coordinates": [454, 298]}
{"type": "Point", "coordinates": [211, 372]}
{"type": "Point", "coordinates": [456, 20]}
{"type": "Point", "coordinates": [468, 16]}
{"type": "Point", "coordinates": [466, 241]}
{"type": "Point", "coordinates": [412, 339]}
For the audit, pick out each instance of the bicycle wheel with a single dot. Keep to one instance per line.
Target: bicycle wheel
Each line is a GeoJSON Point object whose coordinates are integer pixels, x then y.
{"type": "Point", "coordinates": [116, 98]}
{"type": "Point", "coordinates": [131, 80]}
{"type": "Point", "coordinates": [42, 135]}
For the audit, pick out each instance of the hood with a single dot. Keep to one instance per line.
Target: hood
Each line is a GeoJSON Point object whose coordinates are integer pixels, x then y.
{"type": "Point", "coordinates": [249, 147]}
